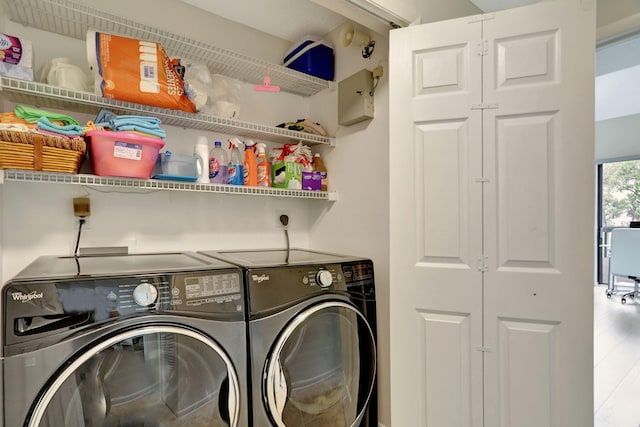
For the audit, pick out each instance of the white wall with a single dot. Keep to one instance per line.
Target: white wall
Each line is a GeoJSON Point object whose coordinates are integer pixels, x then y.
{"type": "Point", "coordinates": [37, 219]}
{"type": "Point", "coordinates": [359, 169]}
{"type": "Point", "coordinates": [617, 109]}
{"type": "Point", "coordinates": [617, 138]}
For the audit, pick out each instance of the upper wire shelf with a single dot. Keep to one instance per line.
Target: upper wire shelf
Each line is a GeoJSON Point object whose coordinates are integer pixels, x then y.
{"type": "Point", "coordinates": [73, 19]}
{"type": "Point", "coordinates": [44, 95]}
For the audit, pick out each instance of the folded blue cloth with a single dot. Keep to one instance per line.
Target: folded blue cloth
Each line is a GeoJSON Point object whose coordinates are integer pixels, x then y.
{"type": "Point", "coordinates": [160, 133]}
{"type": "Point", "coordinates": [142, 120]}
{"type": "Point", "coordinates": [104, 117]}
{"type": "Point", "coordinates": [142, 124]}
{"type": "Point", "coordinates": [68, 130]}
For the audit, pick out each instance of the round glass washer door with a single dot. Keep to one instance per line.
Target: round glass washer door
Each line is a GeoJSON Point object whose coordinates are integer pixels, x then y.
{"type": "Point", "coordinates": [322, 368]}
{"type": "Point", "coordinates": [154, 375]}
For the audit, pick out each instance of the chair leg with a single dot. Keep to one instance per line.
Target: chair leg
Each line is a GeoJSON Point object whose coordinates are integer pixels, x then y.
{"type": "Point", "coordinates": [633, 293]}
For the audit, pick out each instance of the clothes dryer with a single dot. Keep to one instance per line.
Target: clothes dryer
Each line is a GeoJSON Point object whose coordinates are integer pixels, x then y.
{"type": "Point", "coordinates": [129, 340]}
{"type": "Point", "coordinates": [312, 337]}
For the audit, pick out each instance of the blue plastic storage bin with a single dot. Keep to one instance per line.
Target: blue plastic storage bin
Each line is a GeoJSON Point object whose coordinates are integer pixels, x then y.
{"type": "Point", "coordinates": [311, 56]}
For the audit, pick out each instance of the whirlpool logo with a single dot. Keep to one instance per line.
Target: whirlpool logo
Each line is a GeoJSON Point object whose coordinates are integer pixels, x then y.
{"type": "Point", "coordinates": [22, 297]}
{"type": "Point", "coordinates": [261, 278]}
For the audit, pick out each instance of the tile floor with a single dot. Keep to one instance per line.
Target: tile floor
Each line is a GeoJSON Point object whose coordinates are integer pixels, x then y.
{"type": "Point", "coordinates": [616, 360]}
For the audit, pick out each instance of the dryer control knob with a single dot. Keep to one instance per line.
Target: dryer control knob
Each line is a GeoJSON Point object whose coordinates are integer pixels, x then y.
{"type": "Point", "coordinates": [145, 294]}
{"type": "Point", "coordinates": [324, 279]}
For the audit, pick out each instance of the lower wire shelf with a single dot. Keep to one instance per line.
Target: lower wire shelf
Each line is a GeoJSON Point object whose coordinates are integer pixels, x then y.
{"type": "Point", "coordinates": [16, 175]}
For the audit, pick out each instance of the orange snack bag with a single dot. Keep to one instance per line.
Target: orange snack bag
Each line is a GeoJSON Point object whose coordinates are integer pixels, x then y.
{"type": "Point", "coordinates": [136, 71]}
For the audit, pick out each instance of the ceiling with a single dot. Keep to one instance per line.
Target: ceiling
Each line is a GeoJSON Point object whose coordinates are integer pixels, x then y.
{"type": "Point", "coordinates": [294, 19]}
{"type": "Point", "coordinates": [287, 19]}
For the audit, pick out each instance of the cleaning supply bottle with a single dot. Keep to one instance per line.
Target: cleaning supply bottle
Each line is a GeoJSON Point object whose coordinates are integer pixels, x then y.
{"type": "Point", "coordinates": [250, 168]}
{"type": "Point", "coordinates": [262, 162]}
{"type": "Point", "coordinates": [202, 152]}
{"type": "Point", "coordinates": [318, 166]}
{"type": "Point", "coordinates": [218, 164]}
{"type": "Point", "coordinates": [235, 175]}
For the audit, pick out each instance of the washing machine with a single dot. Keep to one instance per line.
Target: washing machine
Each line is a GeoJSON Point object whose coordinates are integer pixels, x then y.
{"type": "Point", "coordinates": [125, 340]}
{"type": "Point", "coordinates": [312, 337]}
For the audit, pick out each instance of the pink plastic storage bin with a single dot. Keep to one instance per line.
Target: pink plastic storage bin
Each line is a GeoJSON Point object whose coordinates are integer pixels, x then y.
{"type": "Point", "coordinates": [127, 154]}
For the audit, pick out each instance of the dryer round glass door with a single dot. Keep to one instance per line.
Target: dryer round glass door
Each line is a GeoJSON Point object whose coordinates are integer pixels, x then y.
{"type": "Point", "coordinates": [322, 368]}
{"type": "Point", "coordinates": [152, 375]}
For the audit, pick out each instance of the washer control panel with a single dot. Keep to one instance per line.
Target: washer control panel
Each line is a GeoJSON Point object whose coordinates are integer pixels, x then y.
{"type": "Point", "coordinates": [271, 288]}
{"type": "Point", "coordinates": [144, 294]}
{"type": "Point", "coordinates": [324, 278]}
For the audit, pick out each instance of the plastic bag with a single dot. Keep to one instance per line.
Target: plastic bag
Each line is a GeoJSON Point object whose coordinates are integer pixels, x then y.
{"type": "Point", "coordinates": [137, 71]}
{"type": "Point", "coordinates": [225, 97]}
{"type": "Point", "coordinates": [198, 86]}
{"type": "Point", "coordinates": [215, 94]}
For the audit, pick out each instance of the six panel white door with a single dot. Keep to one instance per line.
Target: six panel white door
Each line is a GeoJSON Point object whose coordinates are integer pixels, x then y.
{"type": "Point", "coordinates": [491, 219]}
{"type": "Point", "coordinates": [538, 215]}
{"type": "Point", "coordinates": [436, 145]}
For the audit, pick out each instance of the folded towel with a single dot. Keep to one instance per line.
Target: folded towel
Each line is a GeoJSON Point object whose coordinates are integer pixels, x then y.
{"type": "Point", "coordinates": [14, 127]}
{"type": "Point", "coordinates": [10, 118]}
{"type": "Point", "coordinates": [145, 125]}
{"type": "Point", "coordinates": [32, 115]}
{"type": "Point", "coordinates": [160, 133]}
{"type": "Point", "coordinates": [104, 117]}
{"type": "Point", "coordinates": [147, 121]}
{"type": "Point", "coordinates": [58, 135]}
{"type": "Point", "coordinates": [68, 130]}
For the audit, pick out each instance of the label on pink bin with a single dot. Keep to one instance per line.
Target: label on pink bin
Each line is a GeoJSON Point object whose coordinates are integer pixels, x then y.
{"type": "Point", "coordinates": [125, 150]}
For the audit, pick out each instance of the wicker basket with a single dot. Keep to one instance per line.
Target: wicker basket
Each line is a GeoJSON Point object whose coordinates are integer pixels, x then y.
{"type": "Point", "coordinates": [34, 151]}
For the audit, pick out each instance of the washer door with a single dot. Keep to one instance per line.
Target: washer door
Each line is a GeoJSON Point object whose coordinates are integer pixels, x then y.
{"type": "Point", "coordinates": [157, 375]}
{"type": "Point", "coordinates": [322, 368]}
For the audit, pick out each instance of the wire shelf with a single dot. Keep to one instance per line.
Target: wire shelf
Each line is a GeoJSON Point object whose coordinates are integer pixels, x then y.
{"type": "Point", "coordinates": [15, 175]}
{"type": "Point", "coordinates": [73, 19]}
{"type": "Point", "coordinates": [44, 95]}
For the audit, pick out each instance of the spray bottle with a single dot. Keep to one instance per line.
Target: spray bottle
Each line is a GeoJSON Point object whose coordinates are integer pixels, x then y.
{"type": "Point", "coordinates": [262, 162]}
{"type": "Point", "coordinates": [234, 171]}
{"type": "Point", "coordinates": [250, 169]}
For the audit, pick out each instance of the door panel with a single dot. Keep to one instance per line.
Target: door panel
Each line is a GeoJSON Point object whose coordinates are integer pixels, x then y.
{"type": "Point", "coordinates": [526, 59]}
{"type": "Point", "coordinates": [491, 179]}
{"type": "Point", "coordinates": [524, 179]}
{"type": "Point", "coordinates": [538, 158]}
{"type": "Point", "coordinates": [450, 365]}
{"type": "Point", "coordinates": [528, 352]}
{"type": "Point", "coordinates": [435, 279]}
{"type": "Point", "coordinates": [443, 150]}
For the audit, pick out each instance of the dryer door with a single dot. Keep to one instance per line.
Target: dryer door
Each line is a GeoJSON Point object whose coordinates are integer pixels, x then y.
{"type": "Point", "coordinates": [152, 375]}
{"type": "Point", "coordinates": [322, 368]}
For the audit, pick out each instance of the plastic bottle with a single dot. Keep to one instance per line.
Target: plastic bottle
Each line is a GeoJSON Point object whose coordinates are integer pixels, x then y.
{"type": "Point", "coordinates": [318, 166]}
{"type": "Point", "coordinates": [235, 175]}
{"type": "Point", "coordinates": [218, 164]}
{"type": "Point", "coordinates": [202, 151]}
{"type": "Point", "coordinates": [263, 166]}
{"type": "Point", "coordinates": [250, 168]}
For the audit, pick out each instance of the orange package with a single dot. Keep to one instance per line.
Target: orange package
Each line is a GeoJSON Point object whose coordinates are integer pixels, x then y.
{"type": "Point", "coordinates": [136, 71]}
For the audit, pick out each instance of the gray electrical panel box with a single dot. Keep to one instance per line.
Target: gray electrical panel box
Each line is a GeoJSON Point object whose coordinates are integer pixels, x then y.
{"type": "Point", "coordinates": [355, 98]}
